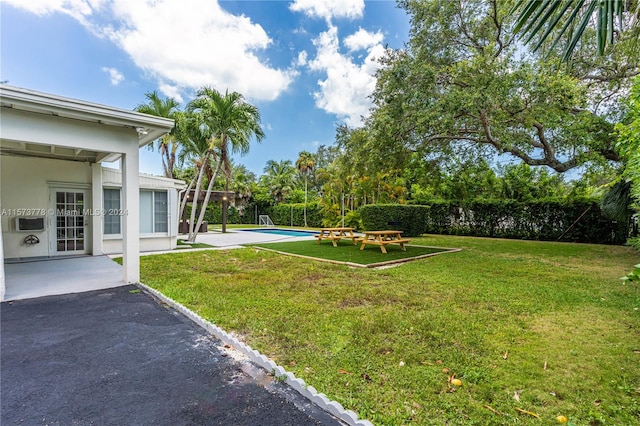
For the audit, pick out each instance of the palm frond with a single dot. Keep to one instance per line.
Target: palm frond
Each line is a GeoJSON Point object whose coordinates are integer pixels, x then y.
{"type": "Point", "coordinates": [542, 18]}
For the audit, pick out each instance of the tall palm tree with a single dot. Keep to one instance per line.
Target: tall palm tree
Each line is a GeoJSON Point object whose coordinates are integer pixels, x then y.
{"type": "Point", "coordinates": [279, 177]}
{"type": "Point", "coordinates": [168, 143]}
{"type": "Point", "coordinates": [572, 18]}
{"type": "Point", "coordinates": [202, 149]}
{"type": "Point", "coordinates": [305, 164]}
{"type": "Point", "coordinates": [241, 184]}
{"type": "Point", "coordinates": [231, 120]}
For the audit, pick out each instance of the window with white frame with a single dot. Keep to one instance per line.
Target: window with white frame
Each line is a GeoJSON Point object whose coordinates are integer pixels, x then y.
{"type": "Point", "coordinates": [112, 224]}
{"type": "Point", "coordinates": [154, 212]}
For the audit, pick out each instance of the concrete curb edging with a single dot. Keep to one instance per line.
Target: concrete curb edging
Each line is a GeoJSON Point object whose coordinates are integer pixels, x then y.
{"type": "Point", "coordinates": [307, 391]}
{"type": "Point", "coordinates": [368, 265]}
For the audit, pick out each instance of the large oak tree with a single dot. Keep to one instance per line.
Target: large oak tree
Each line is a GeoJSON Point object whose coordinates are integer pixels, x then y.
{"type": "Point", "coordinates": [464, 84]}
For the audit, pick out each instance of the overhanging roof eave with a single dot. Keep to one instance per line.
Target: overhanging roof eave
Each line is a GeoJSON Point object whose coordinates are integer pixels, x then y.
{"type": "Point", "coordinates": [149, 127]}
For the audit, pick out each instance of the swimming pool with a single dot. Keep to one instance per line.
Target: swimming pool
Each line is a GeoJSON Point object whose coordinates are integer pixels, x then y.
{"type": "Point", "coordinates": [280, 231]}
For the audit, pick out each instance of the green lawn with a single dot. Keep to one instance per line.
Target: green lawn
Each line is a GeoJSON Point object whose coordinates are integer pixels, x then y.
{"type": "Point", "coordinates": [184, 245]}
{"type": "Point", "coordinates": [346, 251]}
{"type": "Point", "coordinates": [543, 327]}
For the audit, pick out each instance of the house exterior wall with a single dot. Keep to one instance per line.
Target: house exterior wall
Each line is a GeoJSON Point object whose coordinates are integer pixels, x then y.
{"type": "Point", "coordinates": [112, 178]}
{"type": "Point", "coordinates": [36, 125]}
{"type": "Point", "coordinates": [26, 183]}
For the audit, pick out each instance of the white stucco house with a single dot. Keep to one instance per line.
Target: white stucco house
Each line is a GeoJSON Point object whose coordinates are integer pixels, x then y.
{"type": "Point", "coordinates": [57, 199]}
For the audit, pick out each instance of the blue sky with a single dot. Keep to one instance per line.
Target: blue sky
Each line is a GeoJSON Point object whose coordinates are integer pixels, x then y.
{"type": "Point", "coordinates": [306, 64]}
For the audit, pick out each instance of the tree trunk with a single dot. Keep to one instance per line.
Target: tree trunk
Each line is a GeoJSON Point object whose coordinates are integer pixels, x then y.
{"type": "Point", "coordinates": [194, 205]}
{"type": "Point", "coordinates": [183, 202]}
{"type": "Point", "coordinates": [225, 204]}
{"type": "Point", "coordinates": [305, 201]}
{"type": "Point", "coordinates": [205, 203]}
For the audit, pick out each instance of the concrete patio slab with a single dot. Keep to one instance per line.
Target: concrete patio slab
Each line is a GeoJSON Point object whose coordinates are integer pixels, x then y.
{"type": "Point", "coordinates": [49, 277]}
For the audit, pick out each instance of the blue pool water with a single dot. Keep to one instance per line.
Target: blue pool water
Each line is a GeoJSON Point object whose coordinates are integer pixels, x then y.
{"type": "Point", "coordinates": [279, 231]}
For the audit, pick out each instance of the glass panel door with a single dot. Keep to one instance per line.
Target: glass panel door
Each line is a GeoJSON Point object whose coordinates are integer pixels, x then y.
{"type": "Point", "coordinates": [70, 222]}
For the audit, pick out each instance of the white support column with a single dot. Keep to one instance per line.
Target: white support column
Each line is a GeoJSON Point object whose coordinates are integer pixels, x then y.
{"type": "Point", "coordinates": [2, 284]}
{"type": "Point", "coordinates": [97, 218]}
{"type": "Point", "coordinates": [131, 216]}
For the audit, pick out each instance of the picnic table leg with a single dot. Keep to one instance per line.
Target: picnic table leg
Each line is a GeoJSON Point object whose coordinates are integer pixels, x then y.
{"type": "Point", "coordinates": [382, 247]}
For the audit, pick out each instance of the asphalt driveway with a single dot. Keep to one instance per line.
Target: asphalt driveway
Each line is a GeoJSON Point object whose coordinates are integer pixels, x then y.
{"type": "Point", "coordinates": [117, 356]}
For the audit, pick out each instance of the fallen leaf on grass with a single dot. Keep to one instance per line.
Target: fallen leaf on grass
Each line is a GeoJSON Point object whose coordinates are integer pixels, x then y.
{"type": "Point", "coordinates": [366, 377]}
{"type": "Point", "coordinates": [341, 371]}
{"type": "Point", "coordinates": [516, 396]}
{"type": "Point", "coordinates": [453, 381]}
{"type": "Point", "coordinates": [493, 410]}
{"type": "Point", "coordinates": [527, 412]}
{"type": "Point", "coordinates": [445, 370]}
{"type": "Point", "coordinates": [506, 354]}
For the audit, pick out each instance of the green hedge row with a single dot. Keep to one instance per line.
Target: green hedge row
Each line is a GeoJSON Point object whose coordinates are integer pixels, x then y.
{"type": "Point", "coordinates": [293, 214]}
{"type": "Point", "coordinates": [410, 219]}
{"type": "Point", "coordinates": [569, 220]}
{"type": "Point", "coordinates": [281, 214]}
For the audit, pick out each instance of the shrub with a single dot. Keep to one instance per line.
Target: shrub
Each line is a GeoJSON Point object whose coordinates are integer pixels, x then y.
{"type": "Point", "coordinates": [293, 214]}
{"type": "Point", "coordinates": [579, 220]}
{"type": "Point", "coordinates": [409, 219]}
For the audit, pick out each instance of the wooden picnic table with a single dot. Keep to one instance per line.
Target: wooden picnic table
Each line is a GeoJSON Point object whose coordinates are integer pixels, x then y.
{"type": "Point", "coordinates": [336, 234]}
{"type": "Point", "coordinates": [383, 238]}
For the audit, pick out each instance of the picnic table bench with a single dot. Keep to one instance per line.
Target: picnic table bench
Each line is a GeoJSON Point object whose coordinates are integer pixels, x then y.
{"type": "Point", "coordinates": [382, 239]}
{"type": "Point", "coordinates": [336, 234]}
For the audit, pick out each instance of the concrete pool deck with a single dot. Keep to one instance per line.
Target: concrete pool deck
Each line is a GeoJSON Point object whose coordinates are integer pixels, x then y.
{"type": "Point", "coordinates": [235, 238]}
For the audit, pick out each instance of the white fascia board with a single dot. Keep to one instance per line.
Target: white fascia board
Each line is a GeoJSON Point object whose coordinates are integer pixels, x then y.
{"type": "Point", "coordinates": [151, 127]}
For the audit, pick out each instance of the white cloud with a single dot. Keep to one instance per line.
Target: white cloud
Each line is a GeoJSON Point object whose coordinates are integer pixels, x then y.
{"type": "Point", "coordinates": [363, 39]}
{"type": "Point", "coordinates": [346, 89]}
{"type": "Point", "coordinates": [81, 10]}
{"type": "Point", "coordinates": [170, 91]}
{"type": "Point", "coordinates": [328, 9]}
{"type": "Point", "coordinates": [182, 47]}
{"type": "Point", "coordinates": [302, 58]}
{"type": "Point", "coordinates": [115, 75]}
